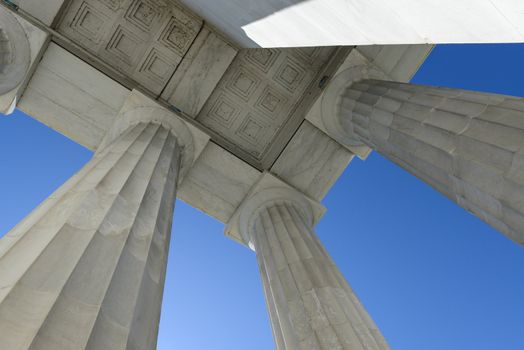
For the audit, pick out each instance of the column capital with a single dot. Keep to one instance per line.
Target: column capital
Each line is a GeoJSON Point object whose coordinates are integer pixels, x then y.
{"type": "Point", "coordinates": [139, 108]}
{"type": "Point", "coordinates": [331, 100]}
{"type": "Point", "coordinates": [21, 43]}
{"type": "Point", "coordinates": [269, 191]}
{"type": "Point", "coordinates": [16, 53]}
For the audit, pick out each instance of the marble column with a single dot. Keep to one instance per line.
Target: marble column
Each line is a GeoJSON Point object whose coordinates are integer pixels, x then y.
{"type": "Point", "coordinates": [86, 269]}
{"type": "Point", "coordinates": [467, 145]}
{"type": "Point", "coordinates": [15, 56]}
{"type": "Point", "coordinates": [15, 52]}
{"type": "Point", "coordinates": [311, 305]}
{"type": "Point", "coordinates": [21, 45]}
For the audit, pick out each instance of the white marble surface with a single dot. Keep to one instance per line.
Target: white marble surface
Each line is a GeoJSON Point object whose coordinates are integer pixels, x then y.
{"type": "Point", "coordinates": [86, 269]}
{"type": "Point", "coordinates": [45, 11]}
{"type": "Point", "coordinates": [465, 144]}
{"type": "Point", "coordinates": [399, 62]}
{"type": "Point", "coordinates": [217, 183]}
{"type": "Point", "coordinates": [312, 161]}
{"type": "Point", "coordinates": [396, 62]}
{"type": "Point", "coordinates": [271, 186]}
{"type": "Point", "coordinates": [37, 41]}
{"type": "Point", "coordinates": [72, 97]}
{"type": "Point", "coordinates": [139, 108]}
{"type": "Point", "coordinates": [199, 72]}
{"type": "Point", "coordinates": [294, 23]}
{"type": "Point", "coordinates": [310, 304]}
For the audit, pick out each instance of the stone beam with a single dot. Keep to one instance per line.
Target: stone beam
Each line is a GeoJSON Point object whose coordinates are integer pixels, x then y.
{"type": "Point", "coordinates": [86, 269]}
{"type": "Point", "coordinates": [311, 306]}
{"type": "Point", "coordinates": [467, 145]}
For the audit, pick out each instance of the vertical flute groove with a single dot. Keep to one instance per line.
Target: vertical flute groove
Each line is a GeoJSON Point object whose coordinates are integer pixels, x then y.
{"type": "Point", "coordinates": [310, 305]}
{"type": "Point", "coordinates": [467, 145]}
{"type": "Point", "coordinates": [108, 224]}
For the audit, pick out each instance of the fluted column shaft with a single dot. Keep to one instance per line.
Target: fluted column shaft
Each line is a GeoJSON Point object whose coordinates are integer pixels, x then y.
{"type": "Point", "coordinates": [467, 145]}
{"type": "Point", "coordinates": [311, 305]}
{"type": "Point", "coordinates": [86, 269]}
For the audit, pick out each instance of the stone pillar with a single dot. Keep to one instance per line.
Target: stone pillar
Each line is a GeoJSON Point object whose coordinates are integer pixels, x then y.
{"type": "Point", "coordinates": [15, 52]}
{"type": "Point", "coordinates": [467, 145]}
{"type": "Point", "coordinates": [86, 269]}
{"type": "Point", "coordinates": [21, 45]}
{"type": "Point", "coordinates": [311, 305]}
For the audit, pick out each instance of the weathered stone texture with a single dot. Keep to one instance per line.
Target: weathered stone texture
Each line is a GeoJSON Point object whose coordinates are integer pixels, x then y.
{"type": "Point", "coordinates": [310, 303]}
{"type": "Point", "coordinates": [86, 269]}
{"type": "Point", "coordinates": [72, 97]}
{"type": "Point", "coordinates": [467, 145]}
{"type": "Point", "coordinates": [21, 44]}
{"type": "Point", "coordinates": [312, 161]}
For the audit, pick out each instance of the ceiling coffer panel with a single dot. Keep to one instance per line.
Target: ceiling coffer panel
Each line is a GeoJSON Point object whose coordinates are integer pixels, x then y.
{"type": "Point", "coordinates": [258, 94]}
{"type": "Point", "coordinates": [143, 39]}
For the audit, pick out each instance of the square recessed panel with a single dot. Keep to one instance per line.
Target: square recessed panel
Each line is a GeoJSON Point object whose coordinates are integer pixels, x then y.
{"type": "Point", "coordinates": [253, 129]}
{"type": "Point", "coordinates": [142, 14]}
{"type": "Point", "coordinates": [290, 74]}
{"type": "Point", "coordinates": [224, 111]}
{"type": "Point", "coordinates": [243, 84]}
{"type": "Point", "coordinates": [271, 102]}
{"type": "Point", "coordinates": [178, 35]}
{"type": "Point", "coordinates": [262, 59]}
{"type": "Point", "coordinates": [89, 22]}
{"type": "Point", "coordinates": [124, 44]}
{"type": "Point", "coordinates": [157, 67]}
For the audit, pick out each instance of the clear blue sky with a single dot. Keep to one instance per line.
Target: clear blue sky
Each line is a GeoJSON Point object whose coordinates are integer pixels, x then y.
{"type": "Point", "coordinates": [432, 276]}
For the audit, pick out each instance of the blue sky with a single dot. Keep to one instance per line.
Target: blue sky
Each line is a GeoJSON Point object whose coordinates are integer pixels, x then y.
{"type": "Point", "coordinates": [432, 276]}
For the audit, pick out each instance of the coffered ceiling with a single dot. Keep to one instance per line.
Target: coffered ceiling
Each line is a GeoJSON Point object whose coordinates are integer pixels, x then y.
{"type": "Point", "coordinates": [258, 94]}
{"type": "Point", "coordinates": [253, 106]}
{"type": "Point", "coordinates": [144, 39]}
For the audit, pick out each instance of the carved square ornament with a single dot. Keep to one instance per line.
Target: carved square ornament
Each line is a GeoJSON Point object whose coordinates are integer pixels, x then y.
{"type": "Point", "coordinates": [89, 22]}
{"type": "Point", "coordinates": [124, 44]}
{"type": "Point", "coordinates": [262, 59]}
{"type": "Point", "coordinates": [271, 102]}
{"type": "Point", "coordinates": [243, 83]}
{"type": "Point", "coordinates": [224, 111]}
{"type": "Point", "coordinates": [252, 129]}
{"type": "Point", "coordinates": [142, 14]}
{"type": "Point", "coordinates": [179, 34]}
{"type": "Point", "coordinates": [290, 74]}
{"type": "Point", "coordinates": [157, 66]}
